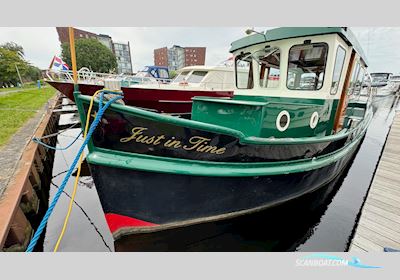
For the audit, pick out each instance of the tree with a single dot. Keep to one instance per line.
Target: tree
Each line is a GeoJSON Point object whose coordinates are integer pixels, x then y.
{"type": "Point", "coordinates": [11, 57]}
{"type": "Point", "coordinates": [14, 47]}
{"type": "Point", "coordinates": [172, 74]}
{"type": "Point", "coordinates": [92, 54]}
{"type": "Point", "coordinates": [9, 60]}
{"type": "Point", "coordinates": [33, 73]}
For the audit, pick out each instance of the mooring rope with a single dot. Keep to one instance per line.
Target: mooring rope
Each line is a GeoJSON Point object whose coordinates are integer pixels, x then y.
{"type": "Point", "coordinates": [49, 211]}
{"type": "Point", "coordinates": [37, 140]}
{"type": "Point", "coordinates": [78, 174]}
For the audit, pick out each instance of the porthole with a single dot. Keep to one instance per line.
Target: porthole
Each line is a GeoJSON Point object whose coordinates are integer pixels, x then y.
{"type": "Point", "coordinates": [314, 120]}
{"type": "Point", "coordinates": [283, 120]}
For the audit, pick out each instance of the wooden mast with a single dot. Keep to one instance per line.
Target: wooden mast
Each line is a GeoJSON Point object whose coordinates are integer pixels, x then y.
{"type": "Point", "coordinates": [73, 54]}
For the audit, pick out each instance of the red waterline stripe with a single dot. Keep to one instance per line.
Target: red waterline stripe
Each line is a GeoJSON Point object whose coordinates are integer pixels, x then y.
{"type": "Point", "coordinates": [116, 222]}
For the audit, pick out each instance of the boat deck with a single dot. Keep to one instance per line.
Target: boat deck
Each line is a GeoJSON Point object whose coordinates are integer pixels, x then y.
{"type": "Point", "coordinates": [379, 223]}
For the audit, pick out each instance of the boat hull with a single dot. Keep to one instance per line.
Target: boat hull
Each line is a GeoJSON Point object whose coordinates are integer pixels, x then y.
{"type": "Point", "coordinates": [172, 101]}
{"type": "Point", "coordinates": [155, 172]}
{"type": "Point", "coordinates": [137, 201]}
{"type": "Point", "coordinates": [158, 100]}
{"type": "Point", "coordinates": [68, 88]}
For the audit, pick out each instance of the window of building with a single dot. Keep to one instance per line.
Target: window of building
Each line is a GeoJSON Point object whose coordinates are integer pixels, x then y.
{"type": "Point", "coordinates": [197, 76]}
{"type": "Point", "coordinates": [244, 71]}
{"type": "Point", "coordinates": [337, 70]}
{"type": "Point", "coordinates": [306, 66]}
{"type": "Point", "coordinates": [181, 77]}
{"type": "Point", "coordinates": [269, 67]}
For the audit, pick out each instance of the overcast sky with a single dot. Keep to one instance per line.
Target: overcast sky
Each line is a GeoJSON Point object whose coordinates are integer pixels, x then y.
{"type": "Point", "coordinates": [41, 43]}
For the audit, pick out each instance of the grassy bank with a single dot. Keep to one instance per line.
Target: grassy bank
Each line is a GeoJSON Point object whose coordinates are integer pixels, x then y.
{"type": "Point", "coordinates": [18, 107]}
{"type": "Point", "coordinates": [29, 85]}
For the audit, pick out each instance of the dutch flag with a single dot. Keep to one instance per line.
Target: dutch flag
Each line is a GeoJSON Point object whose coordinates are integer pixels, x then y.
{"type": "Point", "coordinates": [58, 63]}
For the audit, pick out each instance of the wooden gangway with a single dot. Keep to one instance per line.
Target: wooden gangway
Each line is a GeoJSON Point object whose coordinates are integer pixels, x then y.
{"type": "Point", "coordinates": [379, 223]}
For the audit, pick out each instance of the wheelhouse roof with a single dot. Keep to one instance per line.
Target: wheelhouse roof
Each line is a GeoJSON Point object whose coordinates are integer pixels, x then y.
{"type": "Point", "coordinates": [294, 32]}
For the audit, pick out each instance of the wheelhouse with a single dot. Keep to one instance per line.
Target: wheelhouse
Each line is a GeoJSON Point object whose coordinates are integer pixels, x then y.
{"type": "Point", "coordinates": [302, 82]}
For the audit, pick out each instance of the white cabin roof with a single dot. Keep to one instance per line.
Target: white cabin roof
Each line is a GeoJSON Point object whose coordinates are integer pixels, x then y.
{"type": "Point", "coordinates": [206, 68]}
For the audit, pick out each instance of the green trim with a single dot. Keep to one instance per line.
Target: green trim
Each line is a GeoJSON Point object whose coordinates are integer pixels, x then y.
{"type": "Point", "coordinates": [230, 101]}
{"type": "Point", "coordinates": [294, 32]}
{"type": "Point", "coordinates": [207, 127]}
{"type": "Point", "coordinates": [214, 169]}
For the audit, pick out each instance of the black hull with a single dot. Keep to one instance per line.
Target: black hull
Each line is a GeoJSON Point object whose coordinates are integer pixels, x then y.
{"type": "Point", "coordinates": [276, 229]}
{"type": "Point", "coordinates": [159, 201]}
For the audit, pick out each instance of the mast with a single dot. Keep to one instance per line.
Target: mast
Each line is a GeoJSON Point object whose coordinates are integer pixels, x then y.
{"type": "Point", "coordinates": [73, 55]}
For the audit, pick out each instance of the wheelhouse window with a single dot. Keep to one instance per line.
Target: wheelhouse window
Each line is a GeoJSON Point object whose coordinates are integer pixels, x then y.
{"type": "Point", "coordinates": [306, 66]}
{"type": "Point", "coordinates": [163, 73]}
{"type": "Point", "coordinates": [359, 81]}
{"type": "Point", "coordinates": [197, 76]}
{"type": "Point", "coordinates": [244, 71]}
{"type": "Point", "coordinates": [394, 78]}
{"type": "Point", "coordinates": [181, 77]}
{"type": "Point", "coordinates": [380, 77]}
{"type": "Point", "coordinates": [337, 70]}
{"type": "Point", "coordinates": [269, 67]}
{"type": "Point", "coordinates": [154, 73]}
{"type": "Point", "coordinates": [354, 76]}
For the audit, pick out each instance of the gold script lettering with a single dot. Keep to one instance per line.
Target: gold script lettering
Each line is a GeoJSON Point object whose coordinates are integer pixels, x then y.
{"type": "Point", "coordinates": [197, 143]}
{"type": "Point", "coordinates": [136, 131]}
{"type": "Point", "coordinates": [173, 143]}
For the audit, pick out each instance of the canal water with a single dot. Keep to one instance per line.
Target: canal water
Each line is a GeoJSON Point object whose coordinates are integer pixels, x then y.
{"type": "Point", "coordinates": [322, 221]}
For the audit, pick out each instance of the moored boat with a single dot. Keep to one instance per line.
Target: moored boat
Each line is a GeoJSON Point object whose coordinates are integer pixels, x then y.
{"type": "Point", "coordinates": [276, 139]}
{"type": "Point", "coordinates": [89, 82]}
{"type": "Point", "coordinates": [380, 84]}
{"type": "Point", "coordinates": [176, 97]}
{"type": "Point", "coordinates": [394, 83]}
{"type": "Point", "coordinates": [151, 91]}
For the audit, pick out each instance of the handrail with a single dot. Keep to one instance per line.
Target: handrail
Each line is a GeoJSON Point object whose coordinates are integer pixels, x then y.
{"type": "Point", "coordinates": [90, 77]}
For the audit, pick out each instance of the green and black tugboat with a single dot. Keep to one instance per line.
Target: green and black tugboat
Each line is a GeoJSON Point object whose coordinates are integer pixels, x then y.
{"type": "Point", "coordinates": [291, 127]}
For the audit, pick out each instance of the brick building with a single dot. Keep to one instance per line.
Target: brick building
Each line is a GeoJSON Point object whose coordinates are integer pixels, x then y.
{"type": "Point", "coordinates": [161, 57]}
{"type": "Point", "coordinates": [63, 34]}
{"type": "Point", "coordinates": [195, 56]}
{"type": "Point", "coordinates": [177, 57]}
{"type": "Point", "coordinates": [121, 50]}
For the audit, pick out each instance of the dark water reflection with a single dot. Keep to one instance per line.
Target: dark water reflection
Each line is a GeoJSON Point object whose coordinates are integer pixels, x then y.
{"type": "Point", "coordinates": [321, 221]}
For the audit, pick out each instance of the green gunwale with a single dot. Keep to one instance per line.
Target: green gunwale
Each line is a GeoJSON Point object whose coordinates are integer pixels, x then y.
{"type": "Point", "coordinates": [118, 159]}
{"type": "Point", "coordinates": [213, 128]}
{"type": "Point", "coordinates": [149, 163]}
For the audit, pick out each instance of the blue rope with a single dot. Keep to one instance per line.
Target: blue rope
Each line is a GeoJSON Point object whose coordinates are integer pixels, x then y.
{"type": "Point", "coordinates": [37, 140]}
{"type": "Point", "coordinates": [93, 126]}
